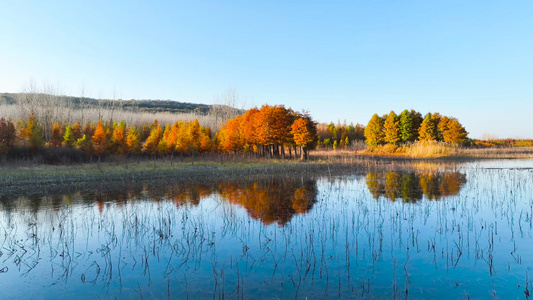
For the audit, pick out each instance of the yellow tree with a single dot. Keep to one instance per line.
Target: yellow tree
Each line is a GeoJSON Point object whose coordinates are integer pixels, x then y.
{"type": "Point", "coordinates": [442, 126]}
{"type": "Point", "coordinates": [119, 138]}
{"type": "Point", "coordinates": [182, 144]}
{"type": "Point", "coordinates": [428, 130]}
{"type": "Point", "coordinates": [374, 131]}
{"type": "Point", "coordinates": [163, 146]}
{"type": "Point", "coordinates": [206, 144]}
{"type": "Point", "coordinates": [193, 132]}
{"type": "Point", "coordinates": [152, 142]}
{"type": "Point", "coordinates": [392, 128]}
{"type": "Point", "coordinates": [68, 137]}
{"type": "Point", "coordinates": [133, 140]}
{"type": "Point", "coordinates": [455, 132]}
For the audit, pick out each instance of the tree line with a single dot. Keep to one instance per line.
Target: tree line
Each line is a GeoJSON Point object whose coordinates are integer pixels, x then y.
{"type": "Point", "coordinates": [263, 132]}
{"type": "Point", "coordinates": [269, 131]}
{"type": "Point", "coordinates": [409, 126]}
{"type": "Point", "coordinates": [105, 138]}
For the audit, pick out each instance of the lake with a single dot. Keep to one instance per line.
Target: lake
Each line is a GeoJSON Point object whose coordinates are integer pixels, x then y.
{"type": "Point", "coordinates": [424, 231]}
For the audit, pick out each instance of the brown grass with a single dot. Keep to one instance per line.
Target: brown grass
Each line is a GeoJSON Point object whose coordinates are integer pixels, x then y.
{"type": "Point", "coordinates": [425, 150]}
{"type": "Point", "coordinates": [498, 152]}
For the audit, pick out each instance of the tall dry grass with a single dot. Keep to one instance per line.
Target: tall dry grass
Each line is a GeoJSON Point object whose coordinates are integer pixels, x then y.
{"type": "Point", "coordinates": [498, 152]}
{"type": "Point", "coordinates": [428, 149]}
{"type": "Point", "coordinates": [418, 149]}
{"type": "Point", "coordinates": [86, 115]}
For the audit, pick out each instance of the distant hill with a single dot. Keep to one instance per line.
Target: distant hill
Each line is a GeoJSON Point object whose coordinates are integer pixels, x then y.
{"type": "Point", "coordinates": [150, 106]}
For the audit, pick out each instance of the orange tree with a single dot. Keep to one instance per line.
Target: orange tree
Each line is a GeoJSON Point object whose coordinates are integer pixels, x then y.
{"type": "Point", "coordinates": [57, 136]}
{"type": "Point", "coordinates": [304, 134]}
{"type": "Point", "coordinates": [99, 140]}
{"type": "Point", "coordinates": [119, 138]}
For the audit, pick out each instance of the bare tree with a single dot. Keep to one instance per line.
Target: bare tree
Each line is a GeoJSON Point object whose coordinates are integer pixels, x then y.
{"type": "Point", "coordinates": [45, 104]}
{"type": "Point", "coordinates": [225, 108]}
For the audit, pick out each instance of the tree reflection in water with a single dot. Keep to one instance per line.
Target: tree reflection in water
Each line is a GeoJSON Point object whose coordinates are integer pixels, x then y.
{"type": "Point", "coordinates": [411, 187]}
{"type": "Point", "coordinates": [270, 200]}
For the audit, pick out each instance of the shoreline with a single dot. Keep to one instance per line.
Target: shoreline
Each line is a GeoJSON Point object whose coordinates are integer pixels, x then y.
{"type": "Point", "coordinates": [16, 179]}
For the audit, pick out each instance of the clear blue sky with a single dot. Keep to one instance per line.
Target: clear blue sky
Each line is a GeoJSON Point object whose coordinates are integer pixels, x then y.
{"type": "Point", "coordinates": [342, 60]}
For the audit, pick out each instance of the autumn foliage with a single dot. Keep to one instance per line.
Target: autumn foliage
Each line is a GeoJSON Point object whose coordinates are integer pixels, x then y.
{"type": "Point", "coordinates": [409, 126]}
{"type": "Point", "coordinates": [271, 131]}
{"type": "Point", "coordinates": [108, 138]}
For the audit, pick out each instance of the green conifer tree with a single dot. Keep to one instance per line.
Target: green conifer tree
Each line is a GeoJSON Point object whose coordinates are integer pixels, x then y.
{"type": "Point", "coordinates": [406, 127]}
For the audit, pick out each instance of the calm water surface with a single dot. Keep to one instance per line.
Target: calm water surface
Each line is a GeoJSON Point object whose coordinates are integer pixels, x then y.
{"type": "Point", "coordinates": [462, 231]}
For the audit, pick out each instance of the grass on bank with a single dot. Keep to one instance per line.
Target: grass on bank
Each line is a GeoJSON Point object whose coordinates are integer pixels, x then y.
{"type": "Point", "coordinates": [22, 177]}
{"type": "Point", "coordinates": [433, 149]}
{"type": "Point", "coordinates": [419, 149]}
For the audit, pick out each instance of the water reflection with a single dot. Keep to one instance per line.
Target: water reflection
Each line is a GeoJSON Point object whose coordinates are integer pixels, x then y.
{"type": "Point", "coordinates": [211, 240]}
{"type": "Point", "coordinates": [276, 200]}
{"type": "Point", "coordinates": [411, 187]}
{"type": "Point", "coordinates": [270, 200]}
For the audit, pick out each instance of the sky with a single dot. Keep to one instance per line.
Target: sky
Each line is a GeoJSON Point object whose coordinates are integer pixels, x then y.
{"type": "Point", "coordinates": [341, 60]}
